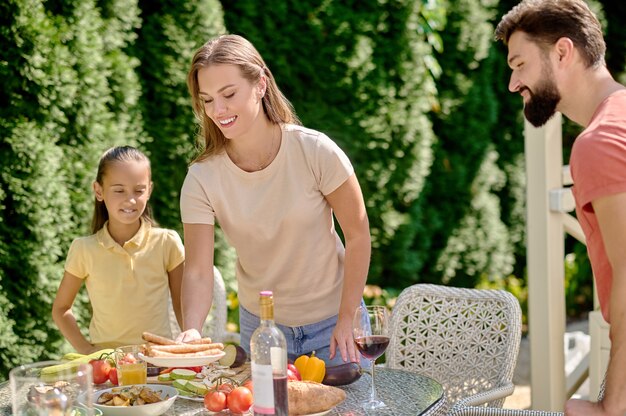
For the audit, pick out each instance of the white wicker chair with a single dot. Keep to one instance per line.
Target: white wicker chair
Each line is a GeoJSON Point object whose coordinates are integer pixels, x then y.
{"type": "Point", "coordinates": [215, 324]}
{"type": "Point", "coordinates": [467, 339]}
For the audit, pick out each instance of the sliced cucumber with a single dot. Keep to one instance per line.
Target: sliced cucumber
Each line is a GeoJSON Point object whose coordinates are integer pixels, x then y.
{"type": "Point", "coordinates": [181, 373]}
{"type": "Point", "coordinates": [180, 385]}
{"type": "Point", "coordinates": [197, 387]}
{"type": "Point", "coordinates": [165, 377]}
{"type": "Point", "coordinates": [186, 393]}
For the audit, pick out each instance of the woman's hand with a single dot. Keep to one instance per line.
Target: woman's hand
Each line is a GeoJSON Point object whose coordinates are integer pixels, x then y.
{"type": "Point", "coordinates": [342, 339]}
{"type": "Point", "coordinates": [188, 335]}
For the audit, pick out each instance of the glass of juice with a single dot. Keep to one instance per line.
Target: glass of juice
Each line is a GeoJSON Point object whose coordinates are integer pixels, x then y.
{"type": "Point", "coordinates": [130, 368]}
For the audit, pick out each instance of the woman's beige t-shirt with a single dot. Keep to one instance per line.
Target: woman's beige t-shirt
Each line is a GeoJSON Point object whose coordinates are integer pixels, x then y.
{"type": "Point", "coordinates": [279, 223]}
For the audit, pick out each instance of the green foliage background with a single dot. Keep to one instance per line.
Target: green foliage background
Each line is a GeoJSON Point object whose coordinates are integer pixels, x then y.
{"type": "Point", "coordinates": [364, 73]}
{"type": "Point", "coordinates": [415, 92]}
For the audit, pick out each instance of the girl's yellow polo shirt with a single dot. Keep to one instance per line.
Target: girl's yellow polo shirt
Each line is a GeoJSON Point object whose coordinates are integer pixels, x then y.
{"type": "Point", "coordinates": [128, 286]}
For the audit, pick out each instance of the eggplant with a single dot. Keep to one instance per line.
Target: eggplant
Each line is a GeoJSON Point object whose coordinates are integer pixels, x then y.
{"type": "Point", "coordinates": [234, 356]}
{"type": "Point", "coordinates": [342, 374]}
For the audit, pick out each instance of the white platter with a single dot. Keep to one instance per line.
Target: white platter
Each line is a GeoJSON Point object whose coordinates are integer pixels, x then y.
{"type": "Point", "coordinates": [153, 409]}
{"type": "Point", "coordinates": [182, 361]}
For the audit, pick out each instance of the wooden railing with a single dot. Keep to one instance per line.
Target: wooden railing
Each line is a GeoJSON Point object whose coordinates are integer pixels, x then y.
{"type": "Point", "coordinates": [549, 203]}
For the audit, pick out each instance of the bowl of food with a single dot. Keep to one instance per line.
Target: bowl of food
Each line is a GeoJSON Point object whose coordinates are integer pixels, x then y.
{"type": "Point", "coordinates": [135, 400]}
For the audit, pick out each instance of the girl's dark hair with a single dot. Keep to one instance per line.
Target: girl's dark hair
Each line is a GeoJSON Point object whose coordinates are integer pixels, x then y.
{"type": "Point", "coordinates": [116, 155]}
{"type": "Point", "coordinates": [546, 21]}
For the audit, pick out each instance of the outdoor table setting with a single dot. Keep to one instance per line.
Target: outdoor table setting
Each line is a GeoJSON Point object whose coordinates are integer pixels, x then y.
{"type": "Point", "coordinates": [405, 393]}
{"type": "Point", "coordinates": [204, 377]}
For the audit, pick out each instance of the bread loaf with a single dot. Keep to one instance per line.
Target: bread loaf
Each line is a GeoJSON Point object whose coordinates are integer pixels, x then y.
{"type": "Point", "coordinates": [306, 397]}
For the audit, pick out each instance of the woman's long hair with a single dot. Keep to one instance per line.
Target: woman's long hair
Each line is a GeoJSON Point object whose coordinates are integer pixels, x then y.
{"type": "Point", "coordinates": [234, 50]}
{"type": "Point", "coordinates": [116, 155]}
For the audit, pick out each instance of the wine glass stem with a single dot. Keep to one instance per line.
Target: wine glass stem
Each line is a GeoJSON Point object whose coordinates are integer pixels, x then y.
{"type": "Point", "coordinates": [373, 395]}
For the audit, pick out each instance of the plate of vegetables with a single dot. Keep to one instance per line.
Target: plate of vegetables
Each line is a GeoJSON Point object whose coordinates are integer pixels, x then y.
{"type": "Point", "coordinates": [135, 400]}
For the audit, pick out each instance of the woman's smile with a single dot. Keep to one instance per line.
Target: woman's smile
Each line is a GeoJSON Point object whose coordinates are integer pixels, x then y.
{"type": "Point", "coordinates": [227, 122]}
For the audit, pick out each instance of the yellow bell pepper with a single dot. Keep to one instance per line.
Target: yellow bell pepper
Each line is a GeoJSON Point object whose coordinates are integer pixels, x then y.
{"type": "Point", "coordinates": [311, 368]}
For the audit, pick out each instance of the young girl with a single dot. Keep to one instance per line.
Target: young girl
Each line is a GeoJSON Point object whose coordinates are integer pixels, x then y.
{"type": "Point", "coordinates": [129, 266]}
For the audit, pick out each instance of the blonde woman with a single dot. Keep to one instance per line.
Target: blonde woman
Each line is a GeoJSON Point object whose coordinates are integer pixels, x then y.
{"type": "Point", "coordinates": [273, 187]}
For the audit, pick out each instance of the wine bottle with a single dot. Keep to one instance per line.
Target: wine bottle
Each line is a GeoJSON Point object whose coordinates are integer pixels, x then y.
{"type": "Point", "coordinates": [268, 352]}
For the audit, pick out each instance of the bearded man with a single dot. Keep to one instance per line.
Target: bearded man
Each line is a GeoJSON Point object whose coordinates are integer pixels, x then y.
{"type": "Point", "coordinates": [556, 54]}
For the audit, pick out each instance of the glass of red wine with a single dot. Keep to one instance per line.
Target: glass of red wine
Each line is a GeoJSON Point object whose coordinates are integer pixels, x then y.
{"type": "Point", "coordinates": [370, 332]}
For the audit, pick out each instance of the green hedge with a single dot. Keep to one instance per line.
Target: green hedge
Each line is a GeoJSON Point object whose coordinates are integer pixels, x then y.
{"type": "Point", "coordinates": [363, 72]}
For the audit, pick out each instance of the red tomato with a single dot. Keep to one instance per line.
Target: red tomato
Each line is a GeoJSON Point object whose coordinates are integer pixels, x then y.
{"type": "Point", "coordinates": [113, 376]}
{"type": "Point", "coordinates": [225, 387]}
{"type": "Point", "coordinates": [215, 400]}
{"type": "Point", "coordinates": [100, 371]}
{"type": "Point", "coordinates": [240, 400]}
{"type": "Point", "coordinates": [292, 373]}
{"type": "Point", "coordinates": [248, 384]}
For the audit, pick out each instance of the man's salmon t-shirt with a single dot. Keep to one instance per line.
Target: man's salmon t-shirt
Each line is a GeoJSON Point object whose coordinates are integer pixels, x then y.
{"type": "Point", "coordinates": [598, 166]}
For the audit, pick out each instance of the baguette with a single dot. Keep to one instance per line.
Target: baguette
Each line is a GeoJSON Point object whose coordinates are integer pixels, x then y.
{"type": "Point", "coordinates": [306, 397]}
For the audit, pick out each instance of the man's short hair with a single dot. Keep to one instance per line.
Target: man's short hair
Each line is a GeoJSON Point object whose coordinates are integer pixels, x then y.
{"type": "Point", "coordinates": [546, 21]}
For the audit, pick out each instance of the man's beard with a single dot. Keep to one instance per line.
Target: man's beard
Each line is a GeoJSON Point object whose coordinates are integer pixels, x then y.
{"type": "Point", "coordinates": [542, 103]}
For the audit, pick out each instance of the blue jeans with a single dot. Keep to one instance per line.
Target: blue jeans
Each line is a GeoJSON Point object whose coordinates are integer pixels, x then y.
{"type": "Point", "coordinates": [300, 339]}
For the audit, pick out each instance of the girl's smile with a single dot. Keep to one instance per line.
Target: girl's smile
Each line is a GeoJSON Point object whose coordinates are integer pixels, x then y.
{"type": "Point", "coordinates": [125, 190]}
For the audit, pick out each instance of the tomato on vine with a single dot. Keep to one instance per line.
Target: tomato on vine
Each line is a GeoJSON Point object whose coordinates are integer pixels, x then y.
{"type": "Point", "coordinates": [215, 400]}
{"type": "Point", "coordinates": [113, 376]}
{"type": "Point", "coordinates": [248, 384]}
{"type": "Point", "coordinates": [240, 400]}
{"type": "Point", "coordinates": [100, 370]}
